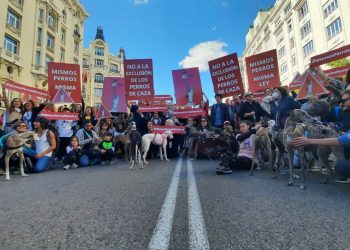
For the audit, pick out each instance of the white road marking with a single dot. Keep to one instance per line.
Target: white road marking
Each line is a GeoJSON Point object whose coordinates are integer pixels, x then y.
{"type": "Point", "coordinates": [161, 235]}
{"type": "Point", "coordinates": [197, 231]}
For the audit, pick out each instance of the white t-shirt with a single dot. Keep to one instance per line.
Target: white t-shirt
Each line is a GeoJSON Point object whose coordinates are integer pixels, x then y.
{"type": "Point", "coordinates": [64, 128]}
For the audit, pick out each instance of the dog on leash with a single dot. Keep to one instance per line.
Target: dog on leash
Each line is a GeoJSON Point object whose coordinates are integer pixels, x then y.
{"type": "Point", "coordinates": [135, 145]}
{"type": "Point", "coordinates": [160, 140]}
{"type": "Point", "coordinates": [14, 145]}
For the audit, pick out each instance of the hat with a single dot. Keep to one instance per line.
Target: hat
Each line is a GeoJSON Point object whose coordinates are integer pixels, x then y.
{"type": "Point", "coordinates": [247, 93]}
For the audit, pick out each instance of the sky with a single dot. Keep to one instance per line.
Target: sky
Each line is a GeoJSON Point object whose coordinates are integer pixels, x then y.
{"type": "Point", "coordinates": [174, 33]}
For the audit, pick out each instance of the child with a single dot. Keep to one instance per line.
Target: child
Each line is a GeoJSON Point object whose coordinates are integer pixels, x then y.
{"type": "Point", "coordinates": [106, 149]}
{"type": "Point", "coordinates": [245, 155]}
{"type": "Point", "coordinates": [73, 154]}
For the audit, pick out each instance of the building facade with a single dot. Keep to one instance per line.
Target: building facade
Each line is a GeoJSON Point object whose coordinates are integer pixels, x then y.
{"type": "Point", "coordinates": [35, 32]}
{"type": "Point", "coordinates": [98, 63]}
{"type": "Point", "coordinates": [299, 29]}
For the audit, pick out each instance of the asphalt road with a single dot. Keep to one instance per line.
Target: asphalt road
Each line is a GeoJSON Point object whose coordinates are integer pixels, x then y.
{"type": "Point", "coordinates": [167, 205]}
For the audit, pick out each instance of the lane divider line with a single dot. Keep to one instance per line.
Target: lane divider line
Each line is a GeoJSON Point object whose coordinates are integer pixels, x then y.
{"type": "Point", "coordinates": [161, 235]}
{"type": "Point", "coordinates": [197, 231]}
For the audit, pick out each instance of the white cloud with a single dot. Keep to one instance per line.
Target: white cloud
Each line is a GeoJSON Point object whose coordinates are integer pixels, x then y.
{"type": "Point", "coordinates": [202, 53]}
{"type": "Point", "coordinates": [224, 3]}
{"type": "Point", "coordinates": [138, 2]}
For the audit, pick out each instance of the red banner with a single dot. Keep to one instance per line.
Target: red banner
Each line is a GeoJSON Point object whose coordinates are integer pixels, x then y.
{"type": "Point", "coordinates": [113, 94]}
{"type": "Point", "coordinates": [25, 89]}
{"type": "Point", "coordinates": [337, 72]}
{"type": "Point", "coordinates": [60, 116]}
{"type": "Point", "coordinates": [330, 56]}
{"type": "Point", "coordinates": [311, 86]}
{"type": "Point", "coordinates": [103, 112]}
{"type": "Point", "coordinates": [258, 96]}
{"type": "Point", "coordinates": [262, 71]}
{"type": "Point", "coordinates": [163, 98]}
{"type": "Point", "coordinates": [188, 87]}
{"type": "Point", "coordinates": [188, 113]}
{"type": "Point", "coordinates": [296, 83]}
{"type": "Point", "coordinates": [139, 79]}
{"type": "Point", "coordinates": [174, 129]}
{"type": "Point", "coordinates": [226, 75]}
{"type": "Point", "coordinates": [152, 109]}
{"type": "Point", "coordinates": [66, 76]}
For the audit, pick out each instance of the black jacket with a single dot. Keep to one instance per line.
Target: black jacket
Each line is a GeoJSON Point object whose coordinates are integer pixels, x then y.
{"type": "Point", "coordinates": [247, 107]}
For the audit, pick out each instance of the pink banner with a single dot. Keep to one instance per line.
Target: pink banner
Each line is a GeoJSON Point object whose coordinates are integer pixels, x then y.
{"type": "Point", "coordinates": [113, 94]}
{"type": "Point", "coordinates": [226, 75]}
{"type": "Point", "coordinates": [174, 129]}
{"type": "Point", "coordinates": [188, 88]}
{"type": "Point", "coordinates": [337, 72]}
{"type": "Point", "coordinates": [163, 98]}
{"type": "Point", "coordinates": [60, 116]}
{"type": "Point", "coordinates": [26, 89]}
{"type": "Point", "coordinates": [330, 56]}
{"type": "Point", "coordinates": [188, 113]}
{"type": "Point", "coordinates": [152, 109]}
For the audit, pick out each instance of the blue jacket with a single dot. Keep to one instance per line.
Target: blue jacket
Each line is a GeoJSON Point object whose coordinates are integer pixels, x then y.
{"type": "Point", "coordinates": [344, 140]}
{"type": "Point", "coordinates": [279, 112]}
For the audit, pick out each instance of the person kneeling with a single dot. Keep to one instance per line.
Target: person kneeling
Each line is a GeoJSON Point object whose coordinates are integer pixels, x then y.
{"type": "Point", "coordinates": [245, 155]}
{"type": "Point", "coordinates": [73, 154]}
{"type": "Point", "coordinates": [107, 149]}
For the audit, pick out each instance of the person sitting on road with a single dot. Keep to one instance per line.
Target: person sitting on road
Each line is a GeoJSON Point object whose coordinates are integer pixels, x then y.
{"type": "Point", "coordinates": [73, 154]}
{"type": "Point", "coordinates": [44, 147]}
{"type": "Point", "coordinates": [245, 155]}
{"type": "Point", "coordinates": [107, 149]}
{"type": "Point", "coordinates": [89, 142]}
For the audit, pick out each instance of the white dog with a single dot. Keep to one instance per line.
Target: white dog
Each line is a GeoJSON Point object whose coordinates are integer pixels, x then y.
{"type": "Point", "coordinates": [157, 139]}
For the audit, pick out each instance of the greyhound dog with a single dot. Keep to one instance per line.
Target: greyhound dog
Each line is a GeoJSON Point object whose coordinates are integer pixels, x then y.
{"type": "Point", "coordinates": [135, 147]}
{"type": "Point", "coordinates": [157, 139]}
{"type": "Point", "coordinates": [300, 123]}
{"type": "Point", "coordinates": [14, 145]}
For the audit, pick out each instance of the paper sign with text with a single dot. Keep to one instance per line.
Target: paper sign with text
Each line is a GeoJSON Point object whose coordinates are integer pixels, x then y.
{"type": "Point", "coordinates": [26, 89]}
{"type": "Point", "coordinates": [188, 113]}
{"type": "Point", "coordinates": [330, 56]}
{"type": "Point", "coordinates": [60, 116]}
{"type": "Point", "coordinates": [179, 130]}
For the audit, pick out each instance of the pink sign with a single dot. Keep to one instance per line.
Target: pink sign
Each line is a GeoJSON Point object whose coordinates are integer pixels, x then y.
{"type": "Point", "coordinates": [60, 116]}
{"type": "Point", "coordinates": [174, 129]}
{"type": "Point", "coordinates": [187, 113]}
{"type": "Point", "coordinates": [113, 94]}
{"type": "Point", "coordinates": [25, 89]}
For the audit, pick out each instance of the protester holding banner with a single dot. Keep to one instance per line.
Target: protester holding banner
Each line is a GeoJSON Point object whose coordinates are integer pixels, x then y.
{"type": "Point", "coordinates": [13, 112]}
{"type": "Point", "coordinates": [250, 110]}
{"type": "Point", "coordinates": [89, 141]}
{"type": "Point", "coordinates": [65, 133]}
{"type": "Point", "coordinates": [219, 112]}
{"type": "Point", "coordinates": [30, 112]}
{"type": "Point", "coordinates": [87, 116]}
{"type": "Point", "coordinates": [44, 147]}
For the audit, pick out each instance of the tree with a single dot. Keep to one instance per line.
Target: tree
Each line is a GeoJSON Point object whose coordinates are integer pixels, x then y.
{"type": "Point", "coordinates": [339, 63]}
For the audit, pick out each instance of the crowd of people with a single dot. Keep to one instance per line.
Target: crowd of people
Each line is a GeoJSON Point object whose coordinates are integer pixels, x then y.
{"type": "Point", "coordinates": [91, 141]}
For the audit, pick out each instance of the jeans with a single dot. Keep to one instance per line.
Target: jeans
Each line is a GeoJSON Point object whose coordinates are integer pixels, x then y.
{"type": "Point", "coordinates": [41, 164]}
{"type": "Point", "coordinates": [90, 156]}
{"type": "Point", "coordinates": [343, 168]}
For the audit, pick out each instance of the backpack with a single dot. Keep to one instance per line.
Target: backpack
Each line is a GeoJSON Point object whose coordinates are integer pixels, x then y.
{"type": "Point", "coordinates": [57, 138]}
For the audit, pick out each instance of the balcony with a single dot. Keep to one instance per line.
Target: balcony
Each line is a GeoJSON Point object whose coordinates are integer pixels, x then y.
{"type": "Point", "coordinates": [77, 34]}
{"type": "Point", "coordinates": [52, 27]}
{"type": "Point", "coordinates": [51, 49]}
{"type": "Point", "coordinates": [17, 4]}
{"type": "Point", "coordinates": [38, 44]}
{"type": "Point", "coordinates": [38, 69]}
{"type": "Point", "coordinates": [85, 66]}
{"type": "Point", "coordinates": [11, 57]}
{"type": "Point", "coordinates": [14, 29]}
{"type": "Point", "coordinates": [40, 20]}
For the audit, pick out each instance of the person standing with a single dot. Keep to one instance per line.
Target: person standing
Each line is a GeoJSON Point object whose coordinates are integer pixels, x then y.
{"type": "Point", "coordinates": [219, 112]}
{"type": "Point", "coordinates": [250, 110]}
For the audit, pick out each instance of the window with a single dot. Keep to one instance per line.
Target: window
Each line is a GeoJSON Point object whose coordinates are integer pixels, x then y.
{"type": "Point", "coordinates": [290, 26]}
{"type": "Point", "coordinates": [19, 1]}
{"type": "Point", "coordinates": [330, 8]}
{"type": "Point", "coordinates": [114, 68]}
{"type": "Point", "coordinates": [334, 28]}
{"type": "Point", "coordinates": [281, 52]}
{"type": "Point", "coordinates": [40, 36]}
{"type": "Point", "coordinates": [38, 58]}
{"type": "Point", "coordinates": [291, 43]}
{"type": "Point", "coordinates": [41, 15]}
{"type": "Point", "coordinates": [284, 68]}
{"type": "Point", "coordinates": [85, 63]}
{"type": "Point", "coordinates": [77, 30]}
{"type": "Point", "coordinates": [303, 11]}
{"type": "Point", "coordinates": [287, 9]}
{"type": "Point", "coordinates": [76, 47]}
{"type": "Point", "coordinates": [99, 63]}
{"type": "Point", "coordinates": [98, 92]}
{"type": "Point", "coordinates": [99, 78]}
{"type": "Point", "coordinates": [305, 30]}
{"type": "Point", "coordinates": [62, 54]}
{"type": "Point", "coordinates": [11, 44]}
{"type": "Point", "coordinates": [99, 51]}
{"type": "Point", "coordinates": [51, 20]}
{"type": "Point", "coordinates": [47, 60]}
{"type": "Point", "coordinates": [64, 15]}
{"type": "Point", "coordinates": [50, 42]}
{"type": "Point", "coordinates": [13, 19]}
{"type": "Point", "coordinates": [63, 36]}
{"type": "Point", "coordinates": [308, 48]}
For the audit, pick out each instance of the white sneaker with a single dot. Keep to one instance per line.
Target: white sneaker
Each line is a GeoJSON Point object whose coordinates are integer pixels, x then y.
{"type": "Point", "coordinates": [67, 167]}
{"type": "Point", "coordinates": [75, 165]}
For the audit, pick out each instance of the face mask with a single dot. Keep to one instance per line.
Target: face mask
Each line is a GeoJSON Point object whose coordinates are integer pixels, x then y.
{"type": "Point", "coordinates": [275, 95]}
{"type": "Point", "coordinates": [268, 99]}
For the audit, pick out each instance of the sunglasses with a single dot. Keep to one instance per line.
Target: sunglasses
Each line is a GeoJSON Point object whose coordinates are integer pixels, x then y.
{"type": "Point", "coordinates": [344, 100]}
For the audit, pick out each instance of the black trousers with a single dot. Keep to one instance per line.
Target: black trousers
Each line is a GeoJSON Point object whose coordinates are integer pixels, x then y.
{"type": "Point", "coordinates": [64, 142]}
{"type": "Point", "coordinates": [236, 162]}
{"type": "Point", "coordinates": [108, 155]}
{"type": "Point", "coordinates": [72, 157]}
